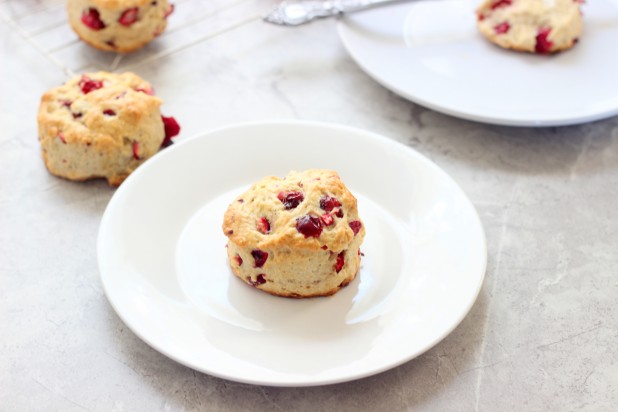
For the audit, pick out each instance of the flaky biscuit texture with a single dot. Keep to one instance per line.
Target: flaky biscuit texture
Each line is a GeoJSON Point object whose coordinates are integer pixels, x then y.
{"type": "Point", "coordinates": [118, 25]}
{"type": "Point", "coordinates": [99, 125]}
{"type": "Point", "coordinates": [536, 26]}
{"type": "Point", "coordinates": [260, 222]}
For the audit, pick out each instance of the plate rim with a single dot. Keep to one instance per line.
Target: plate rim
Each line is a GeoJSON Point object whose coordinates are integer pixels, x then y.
{"type": "Point", "coordinates": [308, 381]}
{"type": "Point", "coordinates": [459, 113]}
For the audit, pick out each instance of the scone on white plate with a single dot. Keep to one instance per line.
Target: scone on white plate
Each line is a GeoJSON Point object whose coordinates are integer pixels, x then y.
{"type": "Point", "coordinates": [536, 26]}
{"type": "Point", "coordinates": [118, 25]}
{"type": "Point", "coordinates": [102, 125]}
{"type": "Point", "coordinates": [297, 236]}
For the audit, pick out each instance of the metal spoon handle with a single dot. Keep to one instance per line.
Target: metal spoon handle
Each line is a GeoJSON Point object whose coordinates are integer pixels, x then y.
{"type": "Point", "coordinates": [294, 13]}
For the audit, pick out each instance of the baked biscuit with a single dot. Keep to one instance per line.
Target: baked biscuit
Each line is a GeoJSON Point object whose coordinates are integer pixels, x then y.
{"type": "Point", "coordinates": [536, 26]}
{"type": "Point", "coordinates": [101, 125]}
{"type": "Point", "coordinates": [296, 237]}
{"type": "Point", "coordinates": [118, 25]}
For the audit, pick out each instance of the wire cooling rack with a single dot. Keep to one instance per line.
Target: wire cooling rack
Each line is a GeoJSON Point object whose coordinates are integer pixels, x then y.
{"type": "Point", "coordinates": [43, 24]}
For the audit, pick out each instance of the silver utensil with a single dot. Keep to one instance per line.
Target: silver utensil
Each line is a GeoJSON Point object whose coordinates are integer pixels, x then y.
{"type": "Point", "coordinates": [294, 13]}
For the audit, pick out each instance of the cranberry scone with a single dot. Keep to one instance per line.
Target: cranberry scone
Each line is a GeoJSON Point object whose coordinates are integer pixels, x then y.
{"type": "Point", "coordinates": [118, 25]}
{"type": "Point", "coordinates": [102, 125]}
{"type": "Point", "coordinates": [536, 26]}
{"type": "Point", "coordinates": [297, 236]}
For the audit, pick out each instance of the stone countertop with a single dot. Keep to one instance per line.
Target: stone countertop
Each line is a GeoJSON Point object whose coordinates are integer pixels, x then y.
{"type": "Point", "coordinates": [543, 334]}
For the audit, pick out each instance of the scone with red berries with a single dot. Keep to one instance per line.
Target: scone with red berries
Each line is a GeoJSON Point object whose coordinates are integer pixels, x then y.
{"type": "Point", "coordinates": [118, 25]}
{"type": "Point", "coordinates": [536, 26]}
{"type": "Point", "coordinates": [297, 236]}
{"type": "Point", "coordinates": [101, 125]}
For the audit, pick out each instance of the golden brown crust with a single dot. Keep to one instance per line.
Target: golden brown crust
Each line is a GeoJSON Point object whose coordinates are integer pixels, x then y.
{"type": "Point", "coordinates": [119, 4]}
{"type": "Point", "coordinates": [517, 24]}
{"type": "Point", "coordinates": [261, 200]}
{"type": "Point", "coordinates": [295, 265]}
{"type": "Point", "coordinates": [107, 132]}
{"type": "Point", "coordinates": [151, 21]}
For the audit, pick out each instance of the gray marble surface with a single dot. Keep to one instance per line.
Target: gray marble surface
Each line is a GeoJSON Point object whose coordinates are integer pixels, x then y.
{"type": "Point", "coordinates": [543, 334]}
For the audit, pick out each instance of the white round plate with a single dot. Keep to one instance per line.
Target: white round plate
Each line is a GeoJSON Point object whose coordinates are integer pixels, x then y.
{"type": "Point", "coordinates": [164, 267]}
{"type": "Point", "coordinates": [431, 53]}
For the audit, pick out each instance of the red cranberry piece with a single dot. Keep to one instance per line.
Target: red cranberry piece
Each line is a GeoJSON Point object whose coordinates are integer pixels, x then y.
{"type": "Point", "coordinates": [324, 247]}
{"type": "Point", "coordinates": [109, 112]}
{"type": "Point", "coordinates": [328, 203]}
{"type": "Point", "coordinates": [89, 85]}
{"type": "Point", "coordinates": [309, 225]}
{"type": "Point", "coordinates": [259, 280]}
{"type": "Point", "coordinates": [172, 128]}
{"type": "Point", "coordinates": [136, 151]}
{"type": "Point", "coordinates": [327, 219]}
{"type": "Point", "coordinates": [263, 225]}
{"type": "Point", "coordinates": [340, 262]}
{"type": "Point", "coordinates": [290, 200]}
{"type": "Point", "coordinates": [480, 17]}
{"type": "Point", "coordinates": [169, 11]}
{"type": "Point", "coordinates": [260, 257]}
{"type": "Point", "coordinates": [238, 260]}
{"type": "Point", "coordinates": [356, 225]}
{"type": "Point", "coordinates": [62, 139]}
{"type": "Point", "coordinates": [91, 18]}
{"type": "Point", "coordinates": [502, 28]}
{"type": "Point", "coordinates": [128, 17]}
{"type": "Point", "coordinates": [111, 44]}
{"type": "Point", "coordinates": [501, 3]}
{"type": "Point", "coordinates": [77, 115]}
{"type": "Point", "coordinates": [543, 44]}
{"type": "Point", "coordinates": [66, 103]}
{"type": "Point", "coordinates": [147, 90]}
{"type": "Point", "coordinates": [338, 212]}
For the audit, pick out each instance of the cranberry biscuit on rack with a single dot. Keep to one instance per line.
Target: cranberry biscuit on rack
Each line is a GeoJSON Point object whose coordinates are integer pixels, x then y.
{"type": "Point", "coordinates": [118, 25]}
{"type": "Point", "coordinates": [101, 125]}
{"type": "Point", "coordinates": [296, 237]}
{"type": "Point", "coordinates": [535, 26]}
